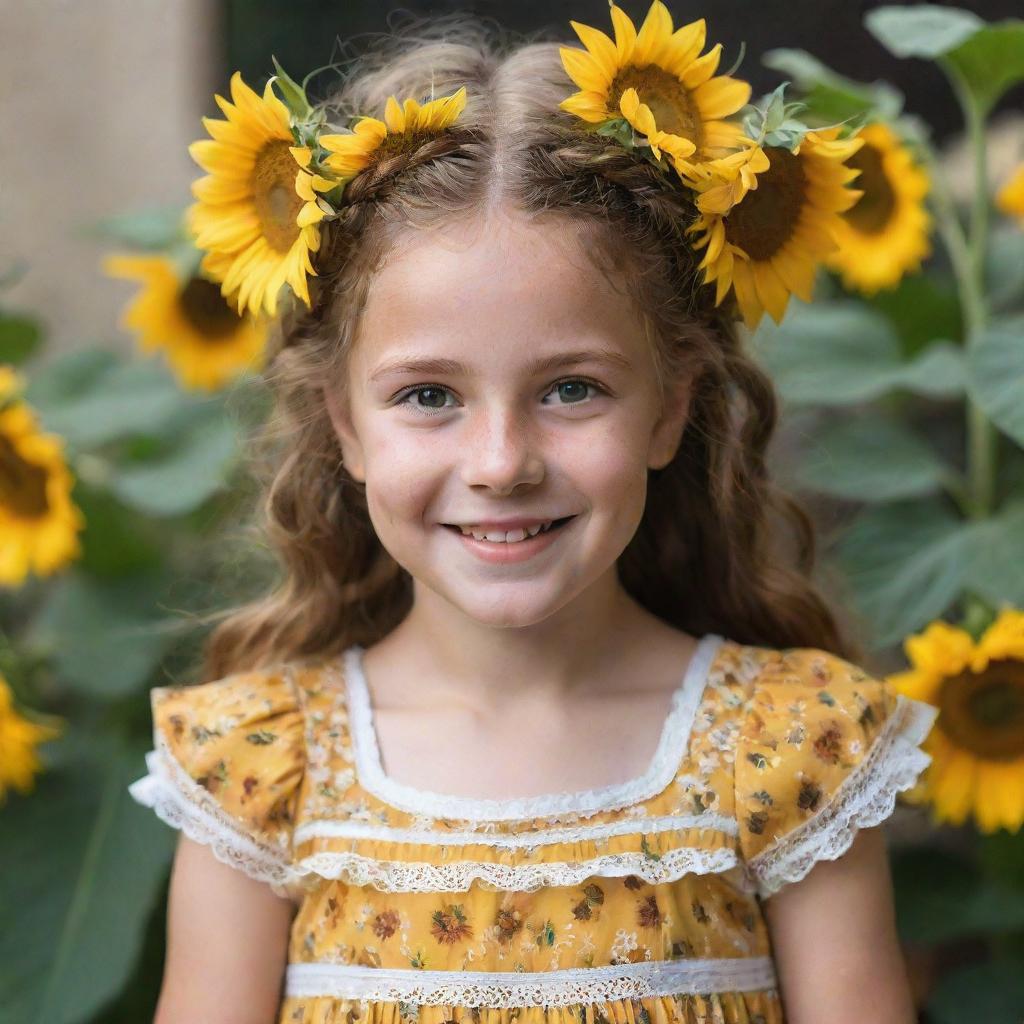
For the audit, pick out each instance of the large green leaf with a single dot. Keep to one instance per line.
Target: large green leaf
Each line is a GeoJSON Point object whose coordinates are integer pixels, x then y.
{"type": "Point", "coordinates": [942, 896]}
{"type": "Point", "coordinates": [921, 30]}
{"type": "Point", "coordinates": [991, 61]}
{"type": "Point", "coordinates": [870, 459]}
{"type": "Point", "coordinates": [905, 563]}
{"type": "Point", "coordinates": [84, 866]}
{"type": "Point", "coordinates": [994, 556]}
{"type": "Point", "coordinates": [195, 469]}
{"type": "Point", "coordinates": [996, 372]}
{"type": "Point", "coordinates": [922, 307]}
{"type": "Point", "coordinates": [844, 353]}
{"type": "Point", "coordinates": [156, 229]}
{"type": "Point", "coordinates": [990, 992]}
{"type": "Point", "coordinates": [117, 541]}
{"type": "Point", "coordinates": [829, 95]}
{"type": "Point", "coordinates": [127, 398]}
{"type": "Point", "coordinates": [105, 636]}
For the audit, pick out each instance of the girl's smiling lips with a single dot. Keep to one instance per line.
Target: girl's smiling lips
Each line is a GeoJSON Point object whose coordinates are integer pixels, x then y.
{"type": "Point", "coordinates": [504, 553]}
{"type": "Point", "coordinates": [483, 525]}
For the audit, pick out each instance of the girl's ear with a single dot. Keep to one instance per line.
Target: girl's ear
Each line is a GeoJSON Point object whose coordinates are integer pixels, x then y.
{"type": "Point", "coordinates": [667, 432]}
{"type": "Point", "coordinates": [351, 449]}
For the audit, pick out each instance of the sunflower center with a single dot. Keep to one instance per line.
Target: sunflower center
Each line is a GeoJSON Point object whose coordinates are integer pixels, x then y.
{"type": "Point", "coordinates": [873, 211]}
{"type": "Point", "coordinates": [273, 194]}
{"type": "Point", "coordinates": [984, 713]}
{"type": "Point", "coordinates": [22, 484]}
{"type": "Point", "coordinates": [669, 100]}
{"type": "Point", "coordinates": [762, 222]}
{"type": "Point", "coordinates": [207, 311]}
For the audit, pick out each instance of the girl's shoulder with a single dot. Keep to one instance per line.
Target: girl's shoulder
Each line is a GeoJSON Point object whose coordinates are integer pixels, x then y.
{"type": "Point", "coordinates": [227, 762]}
{"type": "Point", "coordinates": [821, 748]}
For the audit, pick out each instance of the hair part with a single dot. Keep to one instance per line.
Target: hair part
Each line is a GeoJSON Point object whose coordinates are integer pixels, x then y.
{"type": "Point", "coordinates": [708, 553]}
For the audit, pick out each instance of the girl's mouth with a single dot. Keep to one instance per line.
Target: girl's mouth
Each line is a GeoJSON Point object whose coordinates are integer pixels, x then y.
{"type": "Point", "coordinates": [504, 552]}
{"type": "Point", "coordinates": [555, 524]}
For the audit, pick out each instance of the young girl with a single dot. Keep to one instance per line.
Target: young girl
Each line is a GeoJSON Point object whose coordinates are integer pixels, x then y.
{"type": "Point", "coordinates": [539, 724]}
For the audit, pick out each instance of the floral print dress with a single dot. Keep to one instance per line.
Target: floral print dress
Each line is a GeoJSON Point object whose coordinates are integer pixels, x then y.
{"type": "Point", "coordinates": [638, 902]}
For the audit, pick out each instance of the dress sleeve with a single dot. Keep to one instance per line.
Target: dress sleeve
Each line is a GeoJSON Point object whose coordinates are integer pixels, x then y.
{"type": "Point", "coordinates": [226, 766]}
{"type": "Point", "coordinates": [822, 751]}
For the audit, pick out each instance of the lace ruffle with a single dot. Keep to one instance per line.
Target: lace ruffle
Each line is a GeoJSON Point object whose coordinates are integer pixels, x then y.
{"type": "Point", "coordinates": [663, 767]}
{"type": "Point", "coordinates": [182, 803]}
{"type": "Point", "coordinates": [506, 989]}
{"type": "Point", "coordinates": [457, 876]}
{"type": "Point", "coordinates": [865, 798]}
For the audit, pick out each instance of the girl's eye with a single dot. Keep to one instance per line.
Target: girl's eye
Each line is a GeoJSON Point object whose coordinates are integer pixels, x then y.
{"type": "Point", "coordinates": [431, 397]}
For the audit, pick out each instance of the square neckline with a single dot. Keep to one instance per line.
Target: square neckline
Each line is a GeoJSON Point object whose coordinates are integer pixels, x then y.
{"type": "Point", "coordinates": [672, 747]}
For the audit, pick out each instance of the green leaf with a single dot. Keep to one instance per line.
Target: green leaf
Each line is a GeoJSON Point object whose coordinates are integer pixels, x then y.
{"type": "Point", "coordinates": [196, 469]}
{"type": "Point", "coordinates": [996, 375]}
{"type": "Point", "coordinates": [105, 636]}
{"type": "Point", "coordinates": [292, 93]}
{"type": "Point", "coordinates": [990, 992]}
{"type": "Point", "coordinates": [122, 400]}
{"type": "Point", "coordinates": [941, 896]}
{"type": "Point", "coordinates": [67, 376]}
{"type": "Point", "coordinates": [117, 541]}
{"type": "Point", "coordinates": [154, 229]}
{"type": "Point", "coordinates": [871, 459]}
{"type": "Point", "coordinates": [85, 866]}
{"type": "Point", "coordinates": [922, 307]}
{"type": "Point", "coordinates": [829, 95]}
{"type": "Point", "coordinates": [843, 353]}
{"type": "Point", "coordinates": [994, 555]}
{"type": "Point", "coordinates": [19, 337]}
{"type": "Point", "coordinates": [991, 61]}
{"type": "Point", "coordinates": [905, 563]}
{"type": "Point", "coordinates": [921, 30]}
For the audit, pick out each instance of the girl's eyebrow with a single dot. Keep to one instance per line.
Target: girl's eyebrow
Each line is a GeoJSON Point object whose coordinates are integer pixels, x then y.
{"type": "Point", "coordinates": [615, 360]}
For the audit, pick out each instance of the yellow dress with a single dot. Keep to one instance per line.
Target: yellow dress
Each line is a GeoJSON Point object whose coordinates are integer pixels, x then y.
{"type": "Point", "coordinates": [638, 903]}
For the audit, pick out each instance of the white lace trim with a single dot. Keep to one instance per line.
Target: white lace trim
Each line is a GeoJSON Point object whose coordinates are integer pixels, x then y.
{"type": "Point", "coordinates": [328, 828]}
{"type": "Point", "coordinates": [457, 876]}
{"type": "Point", "coordinates": [663, 767]}
{"type": "Point", "coordinates": [866, 797]}
{"type": "Point", "coordinates": [182, 803]}
{"type": "Point", "coordinates": [507, 989]}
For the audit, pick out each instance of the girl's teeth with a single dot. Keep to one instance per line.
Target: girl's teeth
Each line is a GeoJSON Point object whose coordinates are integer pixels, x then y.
{"type": "Point", "coordinates": [509, 537]}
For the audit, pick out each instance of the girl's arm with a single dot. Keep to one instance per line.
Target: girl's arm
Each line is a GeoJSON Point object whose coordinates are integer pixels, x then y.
{"type": "Point", "coordinates": [834, 935]}
{"type": "Point", "coordinates": [227, 943]}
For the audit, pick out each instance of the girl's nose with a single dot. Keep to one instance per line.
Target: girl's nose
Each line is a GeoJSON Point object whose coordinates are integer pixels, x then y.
{"type": "Point", "coordinates": [500, 453]}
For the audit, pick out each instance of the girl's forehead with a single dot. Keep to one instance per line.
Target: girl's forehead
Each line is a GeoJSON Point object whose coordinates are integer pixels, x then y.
{"type": "Point", "coordinates": [500, 282]}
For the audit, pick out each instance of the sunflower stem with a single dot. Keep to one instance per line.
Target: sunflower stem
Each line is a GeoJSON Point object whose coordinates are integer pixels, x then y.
{"type": "Point", "coordinates": [967, 255]}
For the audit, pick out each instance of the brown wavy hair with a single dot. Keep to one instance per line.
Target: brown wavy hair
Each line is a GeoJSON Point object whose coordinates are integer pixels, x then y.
{"type": "Point", "coordinates": [708, 555]}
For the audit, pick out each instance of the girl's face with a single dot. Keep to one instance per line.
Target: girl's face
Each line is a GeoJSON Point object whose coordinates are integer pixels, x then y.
{"type": "Point", "coordinates": [498, 381]}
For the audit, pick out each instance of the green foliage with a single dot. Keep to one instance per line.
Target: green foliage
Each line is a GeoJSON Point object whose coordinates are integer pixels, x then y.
{"type": "Point", "coordinates": [921, 30]}
{"type": "Point", "coordinates": [996, 367]}
{"type": "Point", "coordinates": [19, 337]}
{"type": "Point", "coordinates": [831, 97]}
{"type": "Point", "coordinates": [844, 353]}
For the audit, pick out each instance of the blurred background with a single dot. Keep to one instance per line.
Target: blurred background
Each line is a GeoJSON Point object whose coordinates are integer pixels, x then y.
{"type": "Point", "coordinates": [99, 100]}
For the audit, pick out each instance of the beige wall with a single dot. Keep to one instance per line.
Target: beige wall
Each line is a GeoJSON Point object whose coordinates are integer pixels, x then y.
{"type": "Point", "coordinates": [98, 102]}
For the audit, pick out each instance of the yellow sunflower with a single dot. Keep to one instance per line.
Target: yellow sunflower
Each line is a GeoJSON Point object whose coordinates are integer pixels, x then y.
{"type": "Point", "coordinates": [658, 81]}
{"type": "Point", "coordinates": [257, 210]}
{"type": "Point", "coordinates": [769, 244]}
{"type": "Point", "coordinates": [403, 126]}
{"type": "Point", "coordinates": [206, 342]}
{"type": "Point", "coordinates": [39, 523]}
{"type": "Point", "coordinates": [977, 745]}
{"type": "Point", "coordinates": [1010, 198]}
{"type": "Point", "coordinates": [19, 762]}
{"type": "Point", "coordinates": [884, 235]}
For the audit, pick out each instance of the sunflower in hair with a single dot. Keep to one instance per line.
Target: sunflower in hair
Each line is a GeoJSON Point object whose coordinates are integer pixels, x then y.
{"type": "Point", "coordinates": [404, 127]}
{"type": "Point", "coordinates": [658, 81]}
{"type": "Point", "coordinates": [768, 244]}
{"type": "Point", "coordinates": [884, 235]}
{"type": "Point", "coordinates": [257, 211]}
